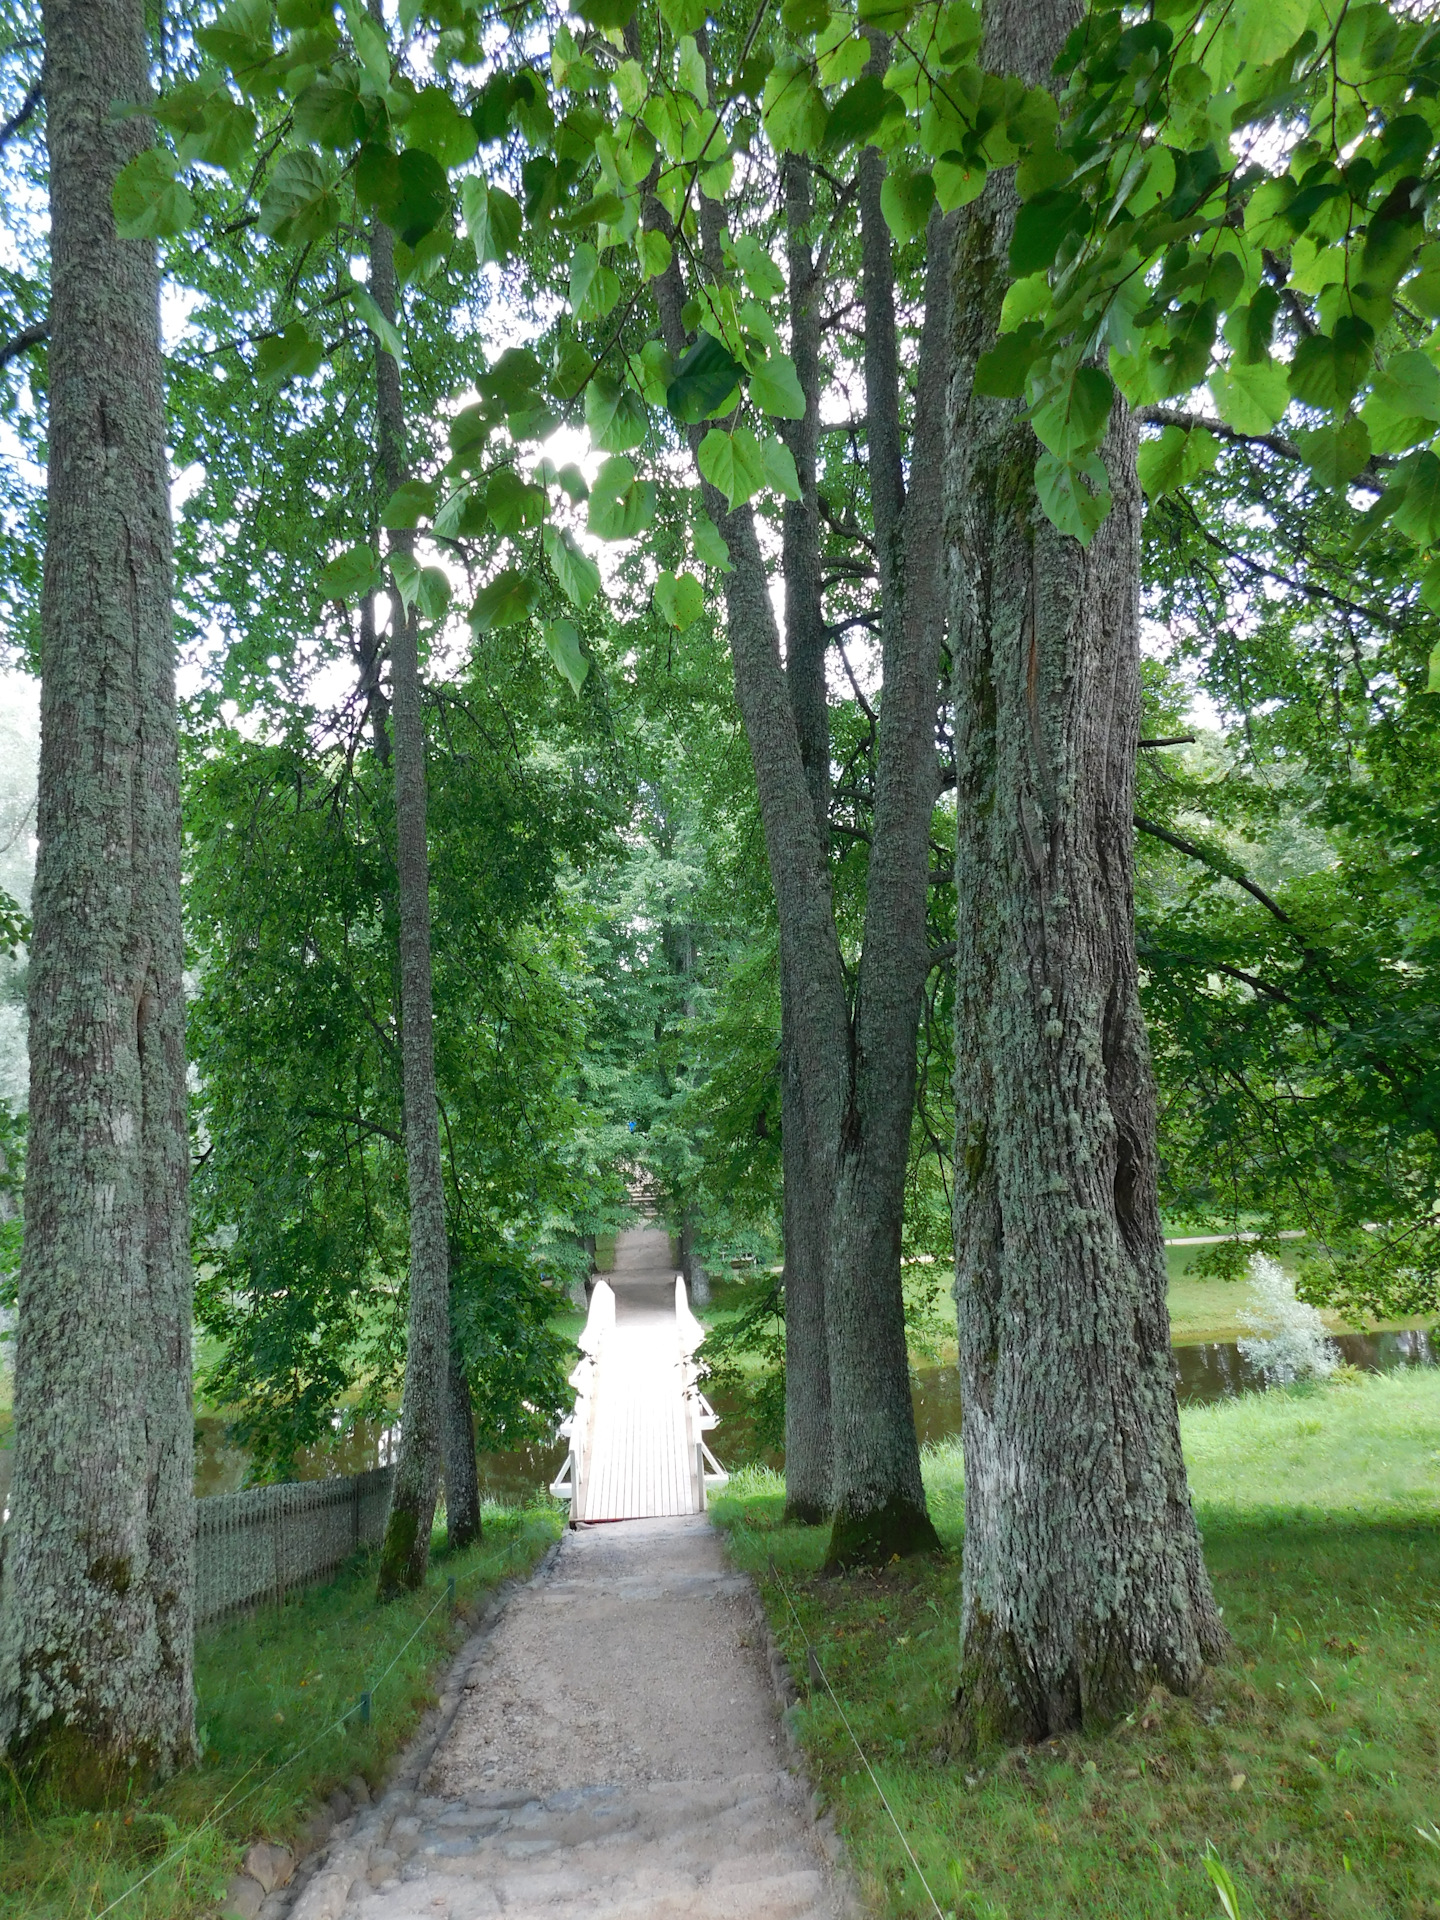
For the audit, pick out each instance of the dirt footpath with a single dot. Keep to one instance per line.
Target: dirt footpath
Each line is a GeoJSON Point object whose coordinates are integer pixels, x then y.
{"type": "Point", "coordinates": [617, 1756]}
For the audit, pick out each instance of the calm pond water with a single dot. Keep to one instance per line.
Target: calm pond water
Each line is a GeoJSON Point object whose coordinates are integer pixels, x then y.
{"type": "Point", "coordinates": [1205, 1371]}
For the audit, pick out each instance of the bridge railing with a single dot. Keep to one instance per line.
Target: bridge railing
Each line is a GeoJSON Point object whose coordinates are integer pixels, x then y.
{"type": "Point", "coordinates": [706, 1470]}
{"type": "Point", "coordinates": [599, 1324]}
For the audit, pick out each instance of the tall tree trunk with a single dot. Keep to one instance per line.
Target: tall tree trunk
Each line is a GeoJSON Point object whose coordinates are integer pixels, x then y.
{"type": "Point", "coordinates": [809, 1442]}
{"type": "Point", "coordinates": [405, 1553]}
{"type": "Point", "coordinates": [1083, 1578]}
{"type": "Point", "coordinates": [462, 1479]}
{"type": "Point", "coordinates": [879, 1498]}
{"type": "Point", "coordinates": [98, 1606]}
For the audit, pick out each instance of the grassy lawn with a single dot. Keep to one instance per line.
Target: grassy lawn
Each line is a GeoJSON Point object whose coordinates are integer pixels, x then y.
{"type": "Point", "coordinates": [1306, 1763]}
{"type": "Point", "coordinates": [270, 1688]}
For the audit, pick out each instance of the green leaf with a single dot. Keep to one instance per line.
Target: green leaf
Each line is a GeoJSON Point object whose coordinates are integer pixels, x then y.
{"type": "Point", "coordinates": [615, 415]}
{"type": "Point", "coordinates": [437, 126]}
{"type": "Point", "coordinates": [762, 276]}
{"type": "Point", "coordinates": [405, 572]}
{"type": "Point", "coordinates": [594, 288]}
{"type": "Point", "coordinates": [514, 380]}
{"type": "Point", "coordinates": [1251, 398]}
{"type": "Point", "coordinates": [225, 137]}
{"type": "Point", "coordinates": [369, 42]}
{"type": "Point", "coordinates": [1040, 226]}
{"type": "Point", "coordinates": [710, 544]}
{"type": "Point", "coordinates": [1327, 370]}
{"type": "Point", "coordinates": [492, 219]}
{"type": "Point", "coordinates": [704, 380]}
{"type": "Point", "coordinates": [1264, 29]}
{"type": "Point", "coordinates": [384, 330]}
{"type": "Point", "coordinates": [905, 200]}
{"type": "Point", "coordinates": [794, 108]}
{"type": "Point", "coordinates": [605, 14]}
{"type": "Point", "coordinates": [299, 203]}
{"type": "Point", "coordinates": [433, 596]}
{"type": "Point", "coordinates": [563, 642]}
{"type": "Point", "coordinates": [1335, 454]}
{"type": "Point", "coordinates": [779, 465]}
{"type": "Point", "coordinates": [574, 365]}
{"type": "Point", "coordinates": [295, 352]}
{"type": "Point", "coordinates": [410, 503]}
{"type": "Point", "coordinates": [655, 252]}
{"type": "Point", "coordinates": [1001, 372]}
{"type": "Point", "coordinates": [775, 388]}
{"type": "Point", "coordinates": [620, 505]}
{"type": "Point", "coordinates": [691, 70]}
{"type": "Point", "coordinates": [1071, 421]}
{"type": "Point", "coordinates": [240, 38]}
{"type": "Point", "coordinates": [577, 573]}
{"type": "Point", "coordinates": [681, 601]}
{"type": "Point", "coordinates": [332, 112]}
{"type": "Point", "coordinates": [682, 16]}
{"type": "Point", "coordinates": [508, 601]}
{"type": "Point", "coordinates": [957, 184]}
{"type": "Point", "coordinates": [1418, 515]}
{"type": "Point", "coordinates": [352, 574]}
{"type": "Point", "coordinates": [513, 503]}
{"type": "Point", "coordinates": [1412, 382]}
{"type": "Point", "coordinates": [733, 464]}
{"type": "Point", "coordinates": [1074, 495]}
{"type": "Point", "coordinates": [573, 483]}
{"type": "Point", "coordinates": [1027, 299]}
{"type": "Point", "coordinates": [148, 201]}
{"type": "Point", "coordinates": [859, 111]}
{"type": "Point", "coordinates": [1174, 459]}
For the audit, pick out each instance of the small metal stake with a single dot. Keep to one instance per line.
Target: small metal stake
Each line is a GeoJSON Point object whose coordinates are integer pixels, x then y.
{"type": "Point", "coordinates": [365, 1708]}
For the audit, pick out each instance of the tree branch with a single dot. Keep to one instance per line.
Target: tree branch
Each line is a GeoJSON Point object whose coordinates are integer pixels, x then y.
{"type": "Point", "coordinates": [1213, 861]}
{"type": "Point", "coordinates": [22, 342]}
{"type": "Point", "coordinates": [23, 113]}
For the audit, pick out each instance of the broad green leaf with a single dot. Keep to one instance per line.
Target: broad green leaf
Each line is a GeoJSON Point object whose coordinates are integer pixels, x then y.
{"type": "Point", "coordinates": [369, 42]}
{"type": "Point", "coordinates": [605, 14]}
{"type": "Point", "coordinates": [332, 112]}
{"type": "Point", "coordinates": [422, 194]}
{"type": "Point", "coordinates": [905, 201]}
{"type": "Point", "coordinates": [1040, 226]}
{"type": "Point", "coordinates": [620, 504]}
{"type": "Point", "coordinates": [1327, 369]}
{"type": "Point", "coordinates": [1025, 299]}
{"type": "Point", "coordinates": [352, 574]}
{"type": "Point", "coordinates": [241, 37]}
{"type": "Point", "coordinates": [762, 276]}
{"type": "Point", "coordinates": [492, 219]}
{"type": "Point", "coordinates": [410, 503]}
{"type": "Point", "coordinates": [508, 601]}
{"type": "Point", "coordinates": [594, 287]}
{"type": "Point", "coordinates": [405, 573]}
{"type": "Point", "coordinates": [577, 573]}
{"type": "Point", "coordinates": [794, 108]}
{"type": "Point", "coordinates": [655, 252]}
{"type": "Point", "coordinates": [433, 595]}
{"type": "Point", "coordinates": [437, 125]}
{"type": "Point", "coordinates": [956, 185]}
{"type": "Point", "coordinates": [691, 73]}
{"type": "Point", "coordinates": [733, 464]}
{"type": "Point", "coordinates": [779, 466]}
{"type": "Point", "coordinates": [859, 111]}
{"type": "Point", "coordinates": [1071, 421]}
{"type": "Point", "coordinates": [1175, 459]}
{"type": "Point", "coordinates": [1418, 515]}
{"type": "Point", "coordinates": [224, 138]}
{"type": "Point", "coordinates": [385, 331]}
{"type": "Point", "coordinates": [681, 601]}
{"type": "Point", "coordinates": [574, 365]}
{"type": "Point", "coordinates": [1001, 372]}
{"type": "Point", "coordinates": [1410, 379]}
{"type": "Point", "coordinates": [513, 503]}
{"type": "Point", "coordinates": [775, 388]}
{"type": "Point", "coordinates": [1252, 398]}
{"type": "Point", "coordinates": [615, 415]}
{"type": "Point", "coordinates": [1335, 454]}
{"type": "Point", "coordinates": [1264, 29]}
{"type": "Point", "coordinates": [683, 16]}
{"type": "Point", "coordinates": [299, 203]}
{"type": "Point", "coordinates": [514, 380]}
{"type": "Point", "coordinates": [573, 483]}
{"type": "Point", "coordinates": [804, 16]}
{"type": "Point", "coordinates": [710, 545]}
{"type": "Point", "coordinates": [704, 380]}
{"type": "Point", "coordinates": [149, 203]}
{"type": "Point", "coordinates": [1074, 495]}
{"type": "Point", "coordinates": [562, 640]}
{"type": "Point", "coordinates": [295, 352]}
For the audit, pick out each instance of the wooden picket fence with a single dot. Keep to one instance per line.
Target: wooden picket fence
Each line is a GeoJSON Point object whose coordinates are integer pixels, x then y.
{"type": "Point", "coordinates": [255, 1547]}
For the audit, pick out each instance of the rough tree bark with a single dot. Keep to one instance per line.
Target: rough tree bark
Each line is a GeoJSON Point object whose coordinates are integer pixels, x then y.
{"type": "Point", "coordinates": [424, 1425]}
{"type": "Point", "coordinates": [1083, 1577]}
{"type": "Point", "coordinates": [462, 1477]}
{"type": "Point", "coordinates": [805, 1178]}
{"type": "Point", "coordinates": [98, 1603]}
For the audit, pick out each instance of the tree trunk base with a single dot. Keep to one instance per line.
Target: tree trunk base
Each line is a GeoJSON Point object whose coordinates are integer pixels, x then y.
{"type": "Point", "coordinates": [1005, 1700]}
{"type": "Point", "coordinates": [87, 1773]}
{"type": "Point", "coordinates": [806, 1513]}
{"type": "Point", "coordinates": [892, 1532]}
{"type": "Point", "coordinates": [402, 1567]}
{"type": "Point", "coordinates": [463, 1531]}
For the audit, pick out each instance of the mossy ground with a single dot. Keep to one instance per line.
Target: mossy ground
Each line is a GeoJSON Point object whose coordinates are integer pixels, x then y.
{"type": "Point", "coordinates": [269, 1686]}
{"type": "Point", "coordinates": [1307, 1763]}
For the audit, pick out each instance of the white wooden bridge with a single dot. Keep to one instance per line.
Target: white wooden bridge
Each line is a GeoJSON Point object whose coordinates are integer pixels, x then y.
{"type": "Point", "coordinates": [637, 1434]}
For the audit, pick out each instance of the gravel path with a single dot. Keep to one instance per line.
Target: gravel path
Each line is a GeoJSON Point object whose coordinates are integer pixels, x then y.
{"type": "Point", "coordinates": [617, 1755]}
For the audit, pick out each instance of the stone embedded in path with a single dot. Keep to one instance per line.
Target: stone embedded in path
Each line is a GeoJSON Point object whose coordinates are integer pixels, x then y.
{"type": "Point", "coordinates": [617, 1756]}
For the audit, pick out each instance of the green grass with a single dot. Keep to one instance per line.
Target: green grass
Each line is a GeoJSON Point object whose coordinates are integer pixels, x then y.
{"type": "Point", "coordinates": [1307, 1761]}
{"type": "Point", "coordinates": [269, 1689]}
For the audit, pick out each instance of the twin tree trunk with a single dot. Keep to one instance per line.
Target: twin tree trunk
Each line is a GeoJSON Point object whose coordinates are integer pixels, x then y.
{"type": "Point", "coordinates": [435, 1410]}
{"type": "Point", "coordinates": [98, 1601]}
{"type": "Point", "coordinates": [1083, 1577]}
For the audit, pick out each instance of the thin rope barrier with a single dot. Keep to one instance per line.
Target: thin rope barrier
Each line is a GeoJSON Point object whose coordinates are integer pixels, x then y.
{"type": "Point", "coordinates": [816, 1668]}
{"type": "Point", "coordinates": [221, 1806]}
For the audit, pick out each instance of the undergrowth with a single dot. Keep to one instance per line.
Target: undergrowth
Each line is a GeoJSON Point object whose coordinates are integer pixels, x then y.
{"type": "Point", "coordinates": [270, 1688]}
{"type": "Point", "coordinates": [1305, 1766]}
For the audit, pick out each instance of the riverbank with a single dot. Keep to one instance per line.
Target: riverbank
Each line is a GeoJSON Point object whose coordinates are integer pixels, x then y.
{"type": "Point", "coordinates": [277, 1707]}
{"type": "Point", "coordinates": [1306, 1763]}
